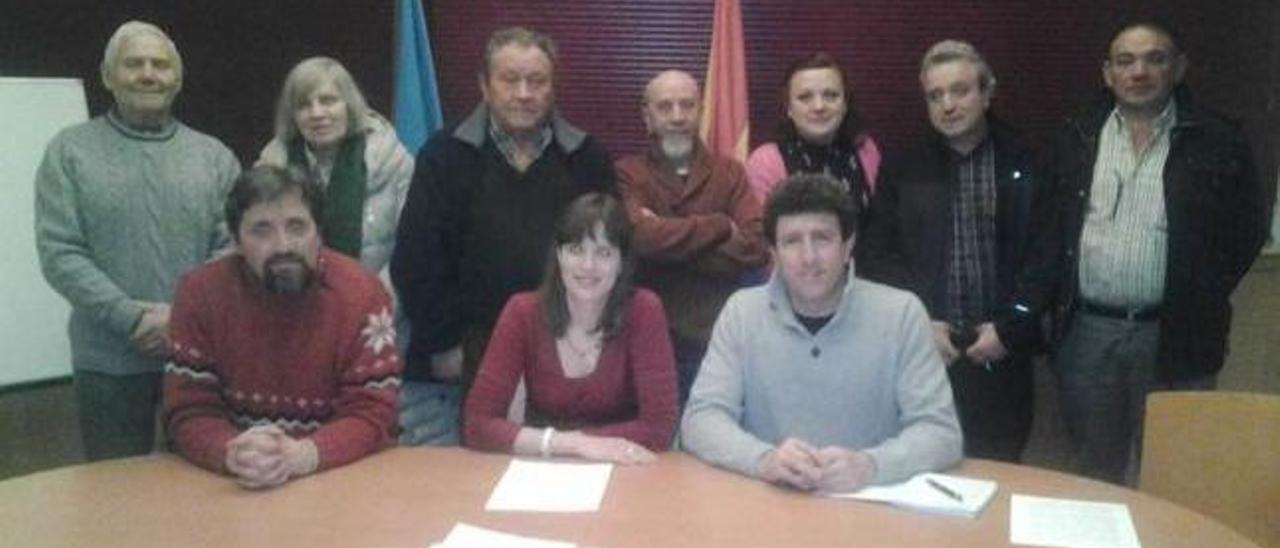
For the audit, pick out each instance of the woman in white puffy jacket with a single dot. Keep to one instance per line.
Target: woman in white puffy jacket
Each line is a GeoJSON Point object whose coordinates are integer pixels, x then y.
{"type": "Point", "coordinates": [324, 126]}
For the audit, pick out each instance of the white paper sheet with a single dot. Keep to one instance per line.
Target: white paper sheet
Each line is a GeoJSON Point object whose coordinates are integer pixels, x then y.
{"type": "Point", "coordinates": [533, 486]}
{"type": "Point", "coordinates": [917, 494]}
{"type": "Point", "coordinates": [1041, 521]}
{"type": "Point", "coordinates": [469, 536]}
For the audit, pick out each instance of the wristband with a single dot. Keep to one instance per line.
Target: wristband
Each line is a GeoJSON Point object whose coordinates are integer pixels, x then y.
{"type": "Point", "coordinates": [544, 448]}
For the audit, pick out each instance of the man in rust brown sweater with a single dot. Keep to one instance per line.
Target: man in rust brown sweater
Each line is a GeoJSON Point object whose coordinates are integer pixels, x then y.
{"type": "Point", "coordinates": [697, 226]}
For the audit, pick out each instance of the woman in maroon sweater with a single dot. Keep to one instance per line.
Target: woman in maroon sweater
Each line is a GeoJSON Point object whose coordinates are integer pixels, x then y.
{"type": "Point", "coordinates": [592, 351]}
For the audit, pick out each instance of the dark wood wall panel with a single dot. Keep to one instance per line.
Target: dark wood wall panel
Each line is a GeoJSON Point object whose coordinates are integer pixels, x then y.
{"type": "Point", "coordinates": [608, 50]}
{"type": "Point", "coordinates": [1045, 53]}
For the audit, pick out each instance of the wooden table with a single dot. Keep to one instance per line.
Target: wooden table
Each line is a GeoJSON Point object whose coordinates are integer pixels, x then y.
{"type": "Point", "coordinates": [408, 497]}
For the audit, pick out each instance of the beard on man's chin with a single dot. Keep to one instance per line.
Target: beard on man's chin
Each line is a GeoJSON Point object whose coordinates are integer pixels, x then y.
{"type": "Point", "coordinates": [286, 273]}
{"type": "Point", "coordinates": [676, 146]}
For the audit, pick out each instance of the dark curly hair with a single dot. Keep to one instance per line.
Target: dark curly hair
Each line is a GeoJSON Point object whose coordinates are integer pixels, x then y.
{"type": "Point", "coordinates": [810, 193]}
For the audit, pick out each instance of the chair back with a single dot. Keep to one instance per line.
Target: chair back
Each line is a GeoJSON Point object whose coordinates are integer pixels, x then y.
{"type": "Point", "coordinates": [1217, 453]}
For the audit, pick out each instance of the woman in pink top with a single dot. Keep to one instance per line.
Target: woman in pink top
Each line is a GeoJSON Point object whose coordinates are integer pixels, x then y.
{"type": "Point", "coordinates": [819, 133]}
{"type": "Point", "coordinates": [593, 353]}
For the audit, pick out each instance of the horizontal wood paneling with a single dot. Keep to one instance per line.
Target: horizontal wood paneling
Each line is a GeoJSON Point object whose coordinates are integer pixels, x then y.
{"type": "Point", "coordinates": [608, 50]}
{"type": "Point", "coordinates": [1045, 53]}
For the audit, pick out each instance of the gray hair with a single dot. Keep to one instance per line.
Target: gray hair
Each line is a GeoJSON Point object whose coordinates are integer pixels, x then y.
{"type": "Point", "coordinates": [947, 51]}
{"type": "Point", "coordinates": [305, 77]}
{"type": "Point", "coordinates": [127, 32]}
{"type": "Point", "coordinates": [520, 36]}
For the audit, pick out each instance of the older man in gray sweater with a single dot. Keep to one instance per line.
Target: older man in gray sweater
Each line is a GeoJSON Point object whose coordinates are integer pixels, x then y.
{"type": "Point", "coordinates": [125, 203]}
{"type": "Point", "coordinates": [819, 380]}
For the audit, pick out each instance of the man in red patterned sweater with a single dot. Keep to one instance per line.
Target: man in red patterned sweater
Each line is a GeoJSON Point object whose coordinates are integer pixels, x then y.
{"type": "Point", "coordinates": [284, 359]}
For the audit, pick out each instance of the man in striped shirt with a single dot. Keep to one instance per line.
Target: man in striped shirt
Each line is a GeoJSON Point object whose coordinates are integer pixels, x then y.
{"type": "Point", "coordinates": [1158, 214]}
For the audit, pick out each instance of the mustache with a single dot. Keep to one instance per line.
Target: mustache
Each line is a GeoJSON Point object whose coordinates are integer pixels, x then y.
{"type": "Point", "coordinates": [284, 258]}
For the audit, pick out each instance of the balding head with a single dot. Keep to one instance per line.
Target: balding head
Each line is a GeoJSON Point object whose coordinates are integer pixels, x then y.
{"type": "Point", "coordinates": [1143, 68]}
{"type": "Point", "coordinates": [670, 79]}
{"type": "Point", "coordinates": [671, 106]}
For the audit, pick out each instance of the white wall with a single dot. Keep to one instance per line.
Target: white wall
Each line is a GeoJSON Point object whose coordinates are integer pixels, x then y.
{"type": "Point", "coordinates": [33, 318]}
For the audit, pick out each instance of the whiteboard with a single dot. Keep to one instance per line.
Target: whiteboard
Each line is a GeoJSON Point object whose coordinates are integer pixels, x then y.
{"type": "Point", "coordinates": [33, 318]}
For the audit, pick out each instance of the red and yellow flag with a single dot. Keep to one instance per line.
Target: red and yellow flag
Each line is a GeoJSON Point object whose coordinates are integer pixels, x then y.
{"type": "Point", "coordinates": [725, 127]}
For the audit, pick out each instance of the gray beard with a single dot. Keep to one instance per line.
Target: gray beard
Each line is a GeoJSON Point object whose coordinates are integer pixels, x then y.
{"type": "Point", "coordinates": [676, 148]}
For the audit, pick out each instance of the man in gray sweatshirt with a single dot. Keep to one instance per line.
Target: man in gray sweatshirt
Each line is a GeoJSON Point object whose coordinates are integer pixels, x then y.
{"type": "Point", "coordinates": [819, 380]}
{"type": "Point", "coordinates": [125, 203]}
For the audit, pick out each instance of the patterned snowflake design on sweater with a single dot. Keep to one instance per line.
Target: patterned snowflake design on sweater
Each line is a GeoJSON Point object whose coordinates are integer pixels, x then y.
{"type": "Point", "coordinates": [379, 331]}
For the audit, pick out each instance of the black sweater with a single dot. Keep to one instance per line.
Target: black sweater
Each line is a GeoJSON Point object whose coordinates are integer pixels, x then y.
{"type": "Point", "coordinates": [474, 231]}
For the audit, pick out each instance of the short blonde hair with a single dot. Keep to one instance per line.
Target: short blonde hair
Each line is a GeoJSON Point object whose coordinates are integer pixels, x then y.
{"type": "Point", "coordinates": [305, 77]}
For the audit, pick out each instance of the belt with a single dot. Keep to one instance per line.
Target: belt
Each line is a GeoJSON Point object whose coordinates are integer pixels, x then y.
{"type": "Point", "coordinates": [1142, 314]}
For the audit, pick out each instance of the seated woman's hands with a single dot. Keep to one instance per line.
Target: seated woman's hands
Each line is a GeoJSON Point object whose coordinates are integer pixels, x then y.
{"type": "Point", "coordinates": [607, 449]}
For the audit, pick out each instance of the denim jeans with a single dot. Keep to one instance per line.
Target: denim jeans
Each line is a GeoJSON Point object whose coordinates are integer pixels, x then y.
{"type": "Point", "coordinates": [689, 356]}
{"type": "Point", "coordinates": [429, 413]}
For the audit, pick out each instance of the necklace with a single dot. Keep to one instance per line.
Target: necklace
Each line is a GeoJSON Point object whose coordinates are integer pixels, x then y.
{"type": "Point", "coordinates": [593, 345]}
{"type": "Point", "coordinates": [578, 361]}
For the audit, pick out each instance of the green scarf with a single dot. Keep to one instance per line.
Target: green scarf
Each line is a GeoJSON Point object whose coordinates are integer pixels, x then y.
{"type": "Point", "coordinates": [342, 225]}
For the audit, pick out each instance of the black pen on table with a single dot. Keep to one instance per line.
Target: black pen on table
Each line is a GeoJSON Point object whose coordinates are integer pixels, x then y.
{"type": "Point", "coordinates": [944, 490]}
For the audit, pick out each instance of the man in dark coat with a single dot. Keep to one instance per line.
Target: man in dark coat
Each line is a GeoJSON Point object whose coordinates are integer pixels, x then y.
{"type": "Point", "coordinates": [1158, 213]}
{"type": "Point", "coordinates": [952, 222]}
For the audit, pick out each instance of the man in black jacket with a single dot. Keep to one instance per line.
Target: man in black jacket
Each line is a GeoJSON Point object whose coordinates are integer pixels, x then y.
{"type": "Point", "coordinates": [477, 223]}
{"type": "Point", "coordinates": [1157, 214]}
{"type": "Point", "coordinates": [951, 223]}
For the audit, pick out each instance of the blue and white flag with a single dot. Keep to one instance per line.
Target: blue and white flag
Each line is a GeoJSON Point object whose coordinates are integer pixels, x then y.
{"type": "Point", "coordinates": [417, 100]}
